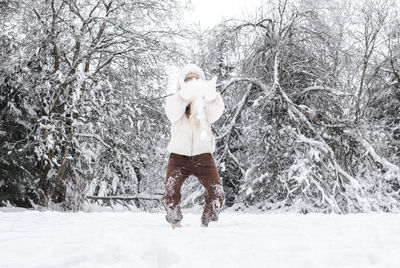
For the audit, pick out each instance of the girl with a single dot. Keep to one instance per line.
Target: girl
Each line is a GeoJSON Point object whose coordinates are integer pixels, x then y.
{"type": "Point", "coordinates": [191, 110]}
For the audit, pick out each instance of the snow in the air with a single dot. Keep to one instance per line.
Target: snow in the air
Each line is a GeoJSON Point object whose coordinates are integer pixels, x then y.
{"type": "Point", "coordinates": [140, 239]}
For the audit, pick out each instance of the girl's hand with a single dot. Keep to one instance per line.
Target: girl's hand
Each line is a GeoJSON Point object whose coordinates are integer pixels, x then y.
{"type": "Point", "coordinates": [210, 92]}
{"type": "Point", "coordinates": [185, 92]}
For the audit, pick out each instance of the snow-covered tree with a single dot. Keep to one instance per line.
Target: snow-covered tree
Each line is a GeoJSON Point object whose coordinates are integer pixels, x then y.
{"type": "Point", "coordinates": [90, 74]}
{"type": "Point", "coordinates": [295, 135]}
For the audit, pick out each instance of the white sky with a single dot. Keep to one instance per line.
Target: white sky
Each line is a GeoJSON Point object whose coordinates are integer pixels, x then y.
{"type": "Point", "coordinates": [209, 13]}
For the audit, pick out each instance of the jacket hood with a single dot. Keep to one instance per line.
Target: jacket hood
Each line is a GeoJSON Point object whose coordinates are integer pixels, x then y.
{"type": "Point", "coordinates": [189, 68]}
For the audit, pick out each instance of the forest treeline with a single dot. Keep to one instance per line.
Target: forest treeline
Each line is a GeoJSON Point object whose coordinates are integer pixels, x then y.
{"type": "Point", "coordinates": [311, 89]}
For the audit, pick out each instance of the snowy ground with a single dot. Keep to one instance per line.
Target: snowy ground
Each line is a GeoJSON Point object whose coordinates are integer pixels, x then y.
{"type": "Point", "coordinates": [138, 239]}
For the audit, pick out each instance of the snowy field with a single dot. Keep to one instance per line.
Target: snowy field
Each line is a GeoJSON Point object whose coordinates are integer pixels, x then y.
{"type": "Point", "coordinates": [138, 239]}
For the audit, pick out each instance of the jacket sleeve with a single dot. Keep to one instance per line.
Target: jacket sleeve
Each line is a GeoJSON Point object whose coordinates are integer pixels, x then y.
{"type": "Point", "coordinates": [175, 107]}
{"type": "Point", "coordinates": [215, 108]}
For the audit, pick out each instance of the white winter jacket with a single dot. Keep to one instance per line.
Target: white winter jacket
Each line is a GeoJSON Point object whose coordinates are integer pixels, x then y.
{"type": "Point", "coordinates": [185, 140]}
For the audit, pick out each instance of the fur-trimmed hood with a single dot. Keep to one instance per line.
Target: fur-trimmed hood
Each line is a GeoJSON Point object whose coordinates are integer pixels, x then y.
{"type": "Point", "coordinates": [189, 68]}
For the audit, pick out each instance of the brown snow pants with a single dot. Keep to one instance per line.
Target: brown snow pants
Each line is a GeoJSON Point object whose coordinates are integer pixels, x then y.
{"type": "Point", "coordinates": [201, 166]}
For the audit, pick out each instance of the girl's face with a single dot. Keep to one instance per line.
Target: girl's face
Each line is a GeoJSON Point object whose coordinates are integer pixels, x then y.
{"type": "Point", "coordinates": [191, 76]}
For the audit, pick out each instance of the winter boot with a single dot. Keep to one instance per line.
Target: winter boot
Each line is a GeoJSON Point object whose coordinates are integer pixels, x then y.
{"type": "Point", "coordinates": [178, 224]}
{"type": "Point", "coordinates": [204, 223]}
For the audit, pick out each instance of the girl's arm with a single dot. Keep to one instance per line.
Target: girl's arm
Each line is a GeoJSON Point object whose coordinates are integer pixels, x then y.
{"type": "Point", "coordinates": [215, 108]}
{"type": "Point", "coordinates": [175, 107]}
